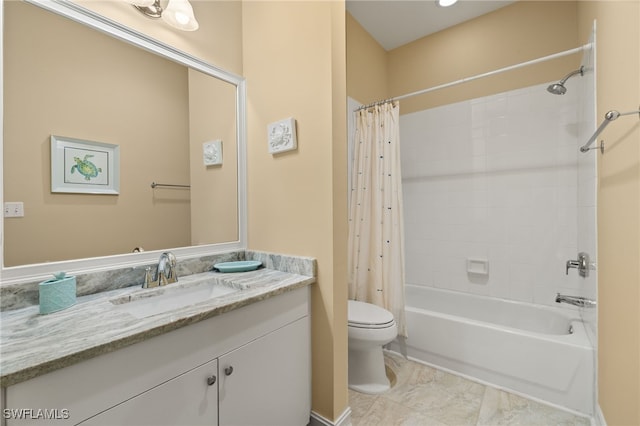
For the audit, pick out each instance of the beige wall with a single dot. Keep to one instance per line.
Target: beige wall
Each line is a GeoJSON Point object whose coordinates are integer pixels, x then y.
{"type": "Point", "coordinates": [294, 63]}
{"type": "Point", "coordinates": [40, 102]}
{"type": "Point", "coordinates": [508, 36]}
{"type": "Point", "coordinates": [618, 87]}
{"type": "Point", "coordinates": [516, 33]}
{"type": "Point", "coordinates": [527, 30]}
{"type": "Point", "coordinates": [53, 78]}
{"type": "Point", "coordinates": [218, 41]}
{"type": "Point", "coordinates": [367, 77]}
{"type": "Point", "coordinates": [214, 189]}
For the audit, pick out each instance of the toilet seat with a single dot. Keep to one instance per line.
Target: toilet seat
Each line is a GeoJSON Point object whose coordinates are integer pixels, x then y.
{"type": "Point", "coordinates": [367, 315]}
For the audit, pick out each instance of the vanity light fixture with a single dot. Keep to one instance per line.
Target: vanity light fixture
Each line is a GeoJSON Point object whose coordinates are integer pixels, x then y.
{"type": "Point", "coordinates": [446, 3]}
{"type": "Point", "coordinates": [177, 13]}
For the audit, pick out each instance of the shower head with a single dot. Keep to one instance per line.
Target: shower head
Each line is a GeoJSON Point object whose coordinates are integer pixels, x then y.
{"type": "Point", "coordinates": [558, 88]}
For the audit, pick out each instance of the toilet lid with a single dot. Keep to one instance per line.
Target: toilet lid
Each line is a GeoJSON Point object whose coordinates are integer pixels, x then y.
{"type": "Point", "coordinates": [367, 315]}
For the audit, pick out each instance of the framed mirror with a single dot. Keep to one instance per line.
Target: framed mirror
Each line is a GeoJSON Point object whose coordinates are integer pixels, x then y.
{"type": "Point", "coordinates": [175, 120]}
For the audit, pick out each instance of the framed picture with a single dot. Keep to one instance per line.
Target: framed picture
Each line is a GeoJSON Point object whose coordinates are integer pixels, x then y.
{"type": "Point", "coordinates": [212, 153]}
{"type": "Point", "coordinates": [86, 167]}
{"type": "Point", "coordinates": [282, 136]}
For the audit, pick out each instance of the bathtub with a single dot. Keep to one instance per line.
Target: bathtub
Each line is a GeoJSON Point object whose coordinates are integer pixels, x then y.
{"type": "Point", "coordinates": [541, 352]}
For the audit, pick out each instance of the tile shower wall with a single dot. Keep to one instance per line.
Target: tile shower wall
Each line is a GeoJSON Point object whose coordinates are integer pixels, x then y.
{"type": "Point", "coordinates": [494, 178]}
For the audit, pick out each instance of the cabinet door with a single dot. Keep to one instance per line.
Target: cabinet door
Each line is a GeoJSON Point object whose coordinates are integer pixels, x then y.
{"type": "Point", "coordinates": [268, 381]}
{"type": "Point", "coordinates": [189, 399]}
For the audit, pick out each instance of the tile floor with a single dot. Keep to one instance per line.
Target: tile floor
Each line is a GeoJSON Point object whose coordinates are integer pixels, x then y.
{"type": "Point", "coordinates": [424, 396]}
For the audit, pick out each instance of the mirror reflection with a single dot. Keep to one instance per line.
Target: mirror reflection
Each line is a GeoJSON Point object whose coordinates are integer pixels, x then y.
{"type": "Point", "coordinates": [62, 78]}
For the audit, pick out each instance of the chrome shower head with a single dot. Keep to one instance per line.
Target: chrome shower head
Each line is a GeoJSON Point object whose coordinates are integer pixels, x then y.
{"type": "Point", "coordinates": [558, 88]}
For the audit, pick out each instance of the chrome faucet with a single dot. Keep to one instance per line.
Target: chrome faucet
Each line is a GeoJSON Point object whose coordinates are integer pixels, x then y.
{"type": "Point", "coordinates": [165, 272]}
{"type": "Point", "coordinates": [582, 302]}
{"type": "Point", "coordinates": [582, 265]}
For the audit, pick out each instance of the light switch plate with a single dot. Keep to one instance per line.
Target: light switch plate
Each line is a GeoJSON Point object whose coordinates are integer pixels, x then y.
{"type": "Point", "coordinates": [14, 209]}
{"type": "Point", "coordinates": [212, 152]}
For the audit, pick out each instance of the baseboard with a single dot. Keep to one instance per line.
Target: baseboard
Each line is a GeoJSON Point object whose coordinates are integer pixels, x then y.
{"type": "Point", "coordinates": [343, 420]}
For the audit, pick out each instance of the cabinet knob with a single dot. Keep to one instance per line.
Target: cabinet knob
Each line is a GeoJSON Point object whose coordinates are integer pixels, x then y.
{"type": "Point", "coordinates": [211, 380]}
{"type": "Point", "coordinates": [228, 370]}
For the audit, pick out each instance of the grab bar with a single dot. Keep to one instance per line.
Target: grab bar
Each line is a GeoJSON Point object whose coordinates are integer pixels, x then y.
{"type": "Point", "coordinates": [608, 117]}
{"type": "Point", "coordinates": [169, 185]}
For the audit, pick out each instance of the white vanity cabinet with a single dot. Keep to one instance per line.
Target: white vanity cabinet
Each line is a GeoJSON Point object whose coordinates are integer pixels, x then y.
{"type": "Point", "coordinates": [262, 382]}
{"type": "Point", "coordinates": [259, 354]}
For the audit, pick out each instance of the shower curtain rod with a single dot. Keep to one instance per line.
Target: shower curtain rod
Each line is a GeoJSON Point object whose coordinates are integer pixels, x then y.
{"type": "Point", "coordinates": [486, 74]}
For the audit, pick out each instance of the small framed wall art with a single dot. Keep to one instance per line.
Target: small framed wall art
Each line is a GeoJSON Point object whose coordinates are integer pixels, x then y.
{"type": "Point", "coordinates": [212, 153]}
{"type": "Point", "coordinates": [85, 167]}
{"type": "Point", "coordinates": [282, 136]}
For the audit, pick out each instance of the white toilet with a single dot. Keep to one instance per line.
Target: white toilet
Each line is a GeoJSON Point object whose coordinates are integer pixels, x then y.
{"type": "Point", "coordinates": [370, 328]}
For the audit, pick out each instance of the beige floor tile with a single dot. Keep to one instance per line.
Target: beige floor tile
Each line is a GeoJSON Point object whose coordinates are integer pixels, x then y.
{"type": "Point", "coordinates": [385, 412]}
{"type": "Point", "coordinates": [360, 404]}
{"type": "Point", "coordinates": [425, 396]}
{"type": "Point", "coordinates": [446, 398]}
{"type": "Point", "coordinates": [503, 408]}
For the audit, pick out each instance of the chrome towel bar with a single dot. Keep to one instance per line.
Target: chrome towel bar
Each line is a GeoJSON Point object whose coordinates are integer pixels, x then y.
{"type": "Point", "coordinates": [168, 185]}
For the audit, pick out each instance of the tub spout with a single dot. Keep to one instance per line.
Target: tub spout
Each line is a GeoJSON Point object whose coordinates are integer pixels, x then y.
{"type": "Point", "coordinates": [582, 302]}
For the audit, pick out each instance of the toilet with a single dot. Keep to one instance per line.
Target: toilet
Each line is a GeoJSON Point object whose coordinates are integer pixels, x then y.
{"type": "Point", "coordinates": [370, 328]}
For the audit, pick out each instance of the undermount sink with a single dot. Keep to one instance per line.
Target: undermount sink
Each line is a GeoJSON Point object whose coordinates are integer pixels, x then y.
{"type": "Point", "coordinates": [148, 302]}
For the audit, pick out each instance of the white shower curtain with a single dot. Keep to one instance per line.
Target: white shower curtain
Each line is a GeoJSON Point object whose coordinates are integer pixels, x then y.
{"type": "Point", "coordinates": [376, 247]}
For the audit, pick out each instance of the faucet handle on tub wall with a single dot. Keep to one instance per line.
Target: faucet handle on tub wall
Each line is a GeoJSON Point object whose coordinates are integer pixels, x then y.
{"type": "Point", "coordinates": [582, 264]}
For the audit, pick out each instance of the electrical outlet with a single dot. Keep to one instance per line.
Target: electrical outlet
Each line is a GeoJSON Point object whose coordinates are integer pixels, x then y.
{"type": "Point", "coordinates": [14, 209]}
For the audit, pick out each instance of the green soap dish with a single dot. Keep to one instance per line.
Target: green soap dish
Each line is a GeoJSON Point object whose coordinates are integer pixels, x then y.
{"type": "Point", "coordinates": [239, 266]}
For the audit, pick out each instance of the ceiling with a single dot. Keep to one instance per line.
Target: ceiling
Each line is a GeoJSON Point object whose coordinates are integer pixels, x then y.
{"type": "Point", "coordinates": [396, 22]}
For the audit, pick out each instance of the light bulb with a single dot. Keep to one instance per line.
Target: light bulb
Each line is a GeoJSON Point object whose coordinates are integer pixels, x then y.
{"type": "Point", "coordinates": [181, 18]}
{"type": "Point", "coordinates": [141, 3]}
{"type": "Point", "coordinates": [179, 14]}
{"type": "Point", "coordinates": [446, 3]}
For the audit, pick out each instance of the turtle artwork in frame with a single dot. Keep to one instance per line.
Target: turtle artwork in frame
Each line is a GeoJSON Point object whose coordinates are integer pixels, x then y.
{"type": "Point", "coordinates": [85, 167]}
{"type": "Point", "coordinates": [282, 136]}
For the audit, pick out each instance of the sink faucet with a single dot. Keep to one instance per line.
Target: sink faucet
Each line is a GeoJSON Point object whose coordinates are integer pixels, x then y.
{"type": "Point", "coordinates": [583, 302]}
{"type": "Point", "coordinates": [165, 273]}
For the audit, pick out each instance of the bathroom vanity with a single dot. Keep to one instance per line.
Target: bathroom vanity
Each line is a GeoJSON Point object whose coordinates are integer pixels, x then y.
{"type": "Point", "coordinates": [242, 358]}
{"type": "Point", "coordinates": [213, 348]}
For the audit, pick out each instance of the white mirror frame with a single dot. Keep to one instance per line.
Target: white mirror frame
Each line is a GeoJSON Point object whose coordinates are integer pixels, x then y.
{"type": "Point", "coordinates": [34, 272]}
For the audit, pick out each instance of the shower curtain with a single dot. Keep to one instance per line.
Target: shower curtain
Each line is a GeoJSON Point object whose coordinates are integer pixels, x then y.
{"type": "Point", "coordinates": [376, 246]}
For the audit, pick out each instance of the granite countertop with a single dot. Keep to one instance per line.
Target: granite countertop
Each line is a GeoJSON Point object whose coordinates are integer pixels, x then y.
{"type": "Point", "coordinates": [32, 344]}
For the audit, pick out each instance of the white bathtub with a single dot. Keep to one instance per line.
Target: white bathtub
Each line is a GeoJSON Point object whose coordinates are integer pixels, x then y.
{"type": "Point", "coordinates": [521, 347]}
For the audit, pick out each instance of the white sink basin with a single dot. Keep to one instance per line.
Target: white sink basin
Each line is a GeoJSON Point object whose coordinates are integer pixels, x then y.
{"type": "Point", "coordinates": [146, 303]}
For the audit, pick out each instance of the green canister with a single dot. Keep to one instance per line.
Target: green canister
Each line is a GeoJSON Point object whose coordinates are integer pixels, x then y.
{"type": "Point", "coordinates": [57, 294]}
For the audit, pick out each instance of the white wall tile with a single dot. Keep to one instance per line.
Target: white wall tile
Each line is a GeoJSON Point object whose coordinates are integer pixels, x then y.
{"type": "Point", "coordinates": [497, 178]}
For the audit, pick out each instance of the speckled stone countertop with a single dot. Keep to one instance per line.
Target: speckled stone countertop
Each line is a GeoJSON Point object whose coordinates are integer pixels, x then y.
{"type": "Point", "coordinates": [32, 344]}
